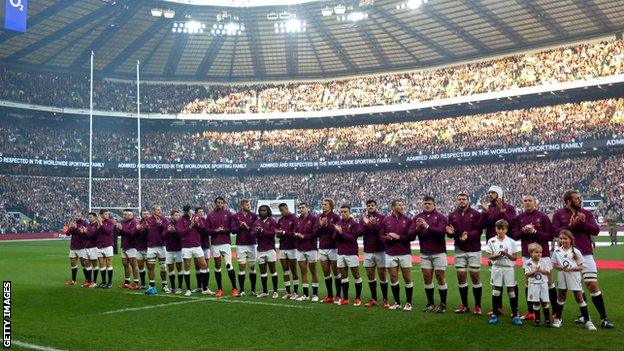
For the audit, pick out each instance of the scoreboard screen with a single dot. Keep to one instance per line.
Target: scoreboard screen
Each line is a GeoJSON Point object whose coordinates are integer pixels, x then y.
{"type": "Point", "coordinates": [15, 15]}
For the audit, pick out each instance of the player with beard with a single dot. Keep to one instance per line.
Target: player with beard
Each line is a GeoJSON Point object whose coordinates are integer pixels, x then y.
{"type": "Point", "coordinates": [245, 246]}
{"type": "Point", "coordinates": [173, 245]}
{"type": "Point", "coordinates": [533, 226]}
{"type": "Point", "coordinates": [465, 228]}
{"type": "Point", "coordinates": [140, 243]}
{"type": "Point", "coordinates": [374, 255]}
{"type": "Point", "coordinates": [220, 222]}
{"type": "Point", "coordinates": [264, 231]}
{"type": "Point", "coordinates": [327, 249]}
{"type": "Point", "coordinates": [127, 229]}
{"type": "Point", "coordinates": [307, 252]}
{"type": "Point", "coordinates": [156, 232]}
{"type": "Point", "coordinates": [105, 242]}
{"type": "Point", "coordinates": [287, 243]}
{"type": "Point", "coordinates": [77, 249]}
{"type": "Point", "coordinates": [582, 224]}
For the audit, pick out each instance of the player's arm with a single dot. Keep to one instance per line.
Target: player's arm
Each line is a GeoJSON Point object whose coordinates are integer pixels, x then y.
{"type": "Point", "coordinates": [590, 225]}
{"type": "Point", "coordinates": [545, 233]}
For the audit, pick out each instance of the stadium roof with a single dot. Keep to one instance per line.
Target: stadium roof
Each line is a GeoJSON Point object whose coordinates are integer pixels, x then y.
{"type": "Point", "coordinates": [62, 34]}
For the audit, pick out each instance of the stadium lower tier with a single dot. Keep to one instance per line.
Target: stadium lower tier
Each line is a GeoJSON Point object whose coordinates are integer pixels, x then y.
{"type": "Point", "coordinates": [50, 201]}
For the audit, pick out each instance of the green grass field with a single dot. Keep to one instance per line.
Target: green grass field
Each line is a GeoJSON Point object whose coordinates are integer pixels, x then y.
{"type": "Point", "coordinates": [46, 313]}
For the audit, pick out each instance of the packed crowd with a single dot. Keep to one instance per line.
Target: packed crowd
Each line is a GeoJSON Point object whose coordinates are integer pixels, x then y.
{"type": "Point", "coordinates": [51, 200]}
{"type": "Point", "coordinates": [554, 65]}
{"type": "Point", "coordinates": [600, 119]}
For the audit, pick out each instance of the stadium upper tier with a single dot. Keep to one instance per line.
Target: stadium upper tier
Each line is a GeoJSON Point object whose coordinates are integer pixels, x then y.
{"type": "Point", "coordinates": [52, 200]}
{"type": "Point", "coordinates": [563, 64]}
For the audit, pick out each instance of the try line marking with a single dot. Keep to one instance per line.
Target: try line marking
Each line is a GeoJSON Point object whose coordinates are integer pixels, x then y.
{"type": "Point", "coordinates": [33, 346]}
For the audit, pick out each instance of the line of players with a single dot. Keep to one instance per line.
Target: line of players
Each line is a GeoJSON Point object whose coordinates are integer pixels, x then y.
{"type": "Point", "coordinates": [331, 238]}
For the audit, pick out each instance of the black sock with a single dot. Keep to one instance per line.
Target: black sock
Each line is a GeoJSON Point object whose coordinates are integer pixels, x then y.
{"type": "Point", "coordinates": [287, 286]}
{"type": "Point", "coordinates": [172, 281]}
{"type": "Point", "coordinates": [338, 284]}
{"type": "Point", "coordinates": [84, 271]}
{"type": "Point", "coordinates": [274, 281]}
{"type": "Point", "coordinates": [546, 314]}
{"type": "Point", "coordinates": [232, 277]}
{"type": "Point", "coordinates": [345, 290]}
{"type": "Point", "coordinates": [497, 302]}
{"type": "Point", "coordinates": [152, 283]}
{"type": "Point", "coordinates": [443, 293]}
{"type": "Point", "coordinates": [252, 279]}
{"type": "Point", "coordinates": [384, 289]}
{"type": "Point", "coordinates": [218, 279]}
{"type": "Point", "coordinates": [199, 279]}
{"type": "Point", "coordinates": [204, 281]}
{"type": "Point", "coordinates": [88, 275]}
{"type": "Point", "coordinates": [330, 287]}
{"type": "Point", "coordinates": [513, 301]}
{"type": "Point", "coordinates": [358, 289]}
{"type": "Point", "coordinates": [552, 296]}
{"type": "Point", "coordinates": [142, 275]}
{"type": "Point", "coordinates": [599, 303]}
{"type": "Point", "coordinates": [110, 276]}
{"type": "Point", "coordinates": [372, 285]}
{"type": "Point", "coordinates": [95, 274]}
{"type": "Point", "coordinates": [207, 277]}
{"type": "Point", "coordinates": [127, 280]}
{"type": "Point", "coordinates": [74, 272]}
{"type": "Point", "coordinates": [306, 290]}
{"type": "Point", "coordinates": [529, 304]}
{"type": "Point", "coordinates": [537, 313]}
{"type": "Point", "coordinates": [584, 312]}
{"type": "Point", "coordinates": [264, 280]}
{"type": "Point", "coordinates": [180, 280]}
{"type": "Point", "coordinates": [463, 294]}
{"type": "Point", "coordinates": [409, 291]}
{"type": "Point", "coordinates": [241, 281]}
{"type": "Point", "coordinates": [103, 277]}
{"type": "Point", "coordinates": [558, 310]}
{"type": "Point", "coordinates": [477, 292]}
{"type": "Point", "coordinates": [187, 281]}
{"type": "Point", "coordinates": [296, 287]}
{"type": "Point", "coordinates": [315, 290]}
{"type": "Point", "coordinates": [429, 293]}
{"type": "Point", "coordinates": [396, 293]}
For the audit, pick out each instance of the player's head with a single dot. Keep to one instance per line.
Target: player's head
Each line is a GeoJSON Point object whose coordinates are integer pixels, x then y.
{"type": "Point", "coordinates": [566, 238]}
{"type": "Point", "coordinates": [186, 209]}
{"type": "Point", "coordinates": [572, 198]}
{"type": "Point", "coordinates": [145, 214]}
{"type": "Point", "coordinates": [535, 250]}
{"type": "Point", "coordinates": [462, 200]}
{"type": "Point", "coordinates": [199, 211]}
{"type": "Point", "coordinates": [303, 208]}
{"type": "Point", "coordinates": [397, 207]}
{"type": "Point", "coordinates": [78, 215]}
{"type": "Point", "coordinates": [495, 192]}
{"type": "Point", "coordinates": [371, 205]}
{"type": "Point", "coordinates": [175, 215]}
{"type": "Point", "coordinates": [244, 204]}
{"type": "Point", "coordinates": [127, 214]}
{"type": "Point", "coordinates": [529, 203]}
{"type": "Point", "coordinates": [345, 211]}
{"type": "Point", "coordinates": [502, 226]}
{"type": "Point", "coordinates": [327, 205]}
{"type": "Point", "coordinates": [264, 211]}
{"type": "Point", "coordinates": [428, 203]}
{"type": "Point", "coordinates": [92, 217]}
{"type": "Point", "coordinates": [104, 214]}
{"type": "Point", "coordinates": [219, 203]}
{"type": "Point", "coordinates": [283, 208]}
{"type": "Point", "coordinates": [156, 210]}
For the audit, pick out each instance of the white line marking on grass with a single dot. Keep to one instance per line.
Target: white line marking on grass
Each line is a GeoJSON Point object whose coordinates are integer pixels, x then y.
{"type": "Point", "coordinates": [151, 306]}
{"type": "Point", "coordinates": [227, 300]}
{"type": "Point", "coordinates": [33, 346]}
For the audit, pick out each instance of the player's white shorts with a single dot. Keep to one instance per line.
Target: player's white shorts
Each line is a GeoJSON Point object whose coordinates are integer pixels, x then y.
{"type": "Point", "coordinates": [375, 259]}
{"type": "Point", "coordinates": [502, 276]}
{"type": "Point", "coordinates": [590, 271]}
{"type": "Point", "coordinates": [246, 253]}
{"type": "Point", "coordinates": [224, 251]}
{"type": "Point", "coordinates": [173, 257]}
{"type": "Point", "coordinates": [538, 292]}
{"type": "Point", "coordinates": [267, 256]}
{"type": "Point", "coordinates": [349, 261]}
{"type": "Point", "coordinates": [192, 252]}
{"type": "Point", "coordinates": [141, 255]}
{"type": "Point", "coordinates": [467, 261]}
{"type": "Point", "coordinates": [328, 254]}
{"type": "Point", "coordinates": [80, 253]}
{"type": "Point", "coordinates": [307, 256]}
{"type": "Point", "coordinates": [206, 253]}
{"type": "Point", "coordinates": [403, 261]}
{"type": "Point", "coordinates": [436, 262]}
{"type": "Point", "coordinates": [130, 253]}
{"type": "Point", "coordinates": [105, 251]}
{"type": "Point", "coordinates": [92, 253]}
{"type": "Point", "coordinates": [288, 254]}
{"type": "Point", "coordinates": [156, 252]}
{"type": "Point", "coordinates": [569, 281]}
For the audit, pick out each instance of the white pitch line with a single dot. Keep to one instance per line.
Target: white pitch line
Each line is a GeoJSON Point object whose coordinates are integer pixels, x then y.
{"type": "Point", "coordinates": [33, 346]}
{"type": "Point", "coordinates": [151, 306]}
{"type": "Point", "coordinates": [228, 300]}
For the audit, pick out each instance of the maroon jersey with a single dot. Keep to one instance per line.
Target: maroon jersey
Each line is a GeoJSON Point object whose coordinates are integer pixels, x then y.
{"type": "Point", "coordinates": [400, 226]}
{"type": "Point", "coordinates": [287, 241]}
{"type": "Point", "coordinates": [542, 236]}
{"type": "Point", "coordinates": [305, 227]}
{"type": "Point", "coordinates": [326, 233]}
{"type": "Point", "coordinates": [372, 241]}
{"type": "Point", "coordinates": [492, 215]}
{"type": "Point", "coordinates": [468, 221]}
{"type": "Point", "coordinates": [202, 227]}
{"type": "Point", "coordinates": [432, 239]}
{"type": "Point", "coordinates": [172, 237]}
{"type": "Point", "coordinates": [346, 242]}
{"type": "Point", "coordinates": [106, 234]}
{"type": "Point", "coordinates": [216, 219]}
{"type": "Point", "coordinates": [264, 231]}
{"type": "Point", "coordinates": [582, 231]}
{"type": "Point", "coordinates": [128, 233]}
{"type": "Point", "coordinates": [191, 237]}
{"type": "Point", "coordinates": [156, 231]}
{"type": "Point", "coordinates": [77, 241]}
{"type": "Point", "coordinates": [91, 235]}
{"type": "Point", "coordinates": [243, 235]}
{"type": "Point", "coordinates": [140, 238]}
